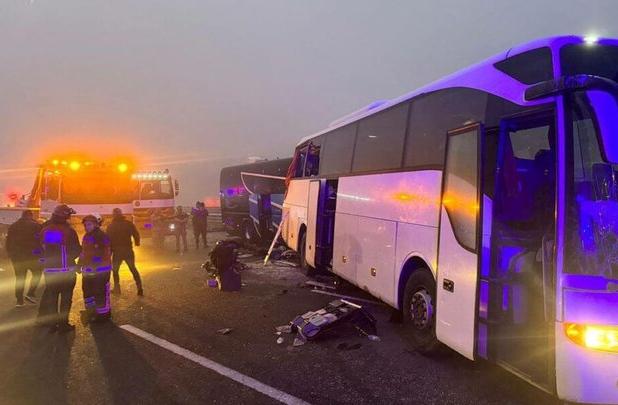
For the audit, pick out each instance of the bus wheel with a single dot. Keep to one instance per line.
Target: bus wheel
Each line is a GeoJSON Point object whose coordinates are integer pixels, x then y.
{"type": "Point", "coordinates": [304, 266]}
{"type": "Point", "coordinates": [419, 311]}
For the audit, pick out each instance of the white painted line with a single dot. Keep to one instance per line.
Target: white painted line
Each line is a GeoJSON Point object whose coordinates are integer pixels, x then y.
{"type": "Point", "coordinates": [216, 367]}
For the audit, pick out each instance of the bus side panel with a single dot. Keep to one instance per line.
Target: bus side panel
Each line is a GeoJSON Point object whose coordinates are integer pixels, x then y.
{"type": "Point", "coordinates": [383, 202]}
{"type": "Point", "coordinates": [296, 207]}
{"type": "Point", "coordinates": [411, 197]}
{"type": "Point", "coordinates": [415, 241]}
{"type": "Point", "coordinates": [375, 266]}
{"type": "Point", "coordinates": [346, 246]}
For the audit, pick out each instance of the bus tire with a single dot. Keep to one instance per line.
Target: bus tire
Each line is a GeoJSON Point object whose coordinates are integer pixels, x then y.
{"type": "Point", "coordinates": [304, 266]}
{"type": "Point", "coordinates": [419, 314]}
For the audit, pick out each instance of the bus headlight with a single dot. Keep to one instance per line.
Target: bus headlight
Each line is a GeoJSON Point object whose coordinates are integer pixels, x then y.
{"type": "Point", "coordinates": [593, 336]}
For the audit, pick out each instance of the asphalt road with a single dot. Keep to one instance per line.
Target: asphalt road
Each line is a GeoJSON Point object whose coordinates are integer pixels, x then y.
{"type": "Point", "coordinates": [105, 364]}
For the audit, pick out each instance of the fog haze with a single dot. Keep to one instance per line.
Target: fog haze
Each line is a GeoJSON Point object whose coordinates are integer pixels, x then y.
{"type": "Point", "coordinates": [196, 85]}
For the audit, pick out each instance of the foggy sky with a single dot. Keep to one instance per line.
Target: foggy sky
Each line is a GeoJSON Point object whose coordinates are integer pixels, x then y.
{"type": "Point", "coordinates": [196, 85]}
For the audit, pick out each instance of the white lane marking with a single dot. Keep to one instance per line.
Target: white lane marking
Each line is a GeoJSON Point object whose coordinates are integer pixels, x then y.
{"type": "Point", "coordinates": [216, 367]}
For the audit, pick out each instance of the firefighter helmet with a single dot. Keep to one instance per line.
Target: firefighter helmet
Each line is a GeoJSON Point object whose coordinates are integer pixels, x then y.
{"type": "Point", "coordinates": [63, 211]}
{"type": "Point", "coordinates": [94, 218]}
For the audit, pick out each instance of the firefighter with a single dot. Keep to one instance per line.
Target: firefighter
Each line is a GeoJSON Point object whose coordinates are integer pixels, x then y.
{"type": "Point", "coordinates": [120, 232]}
{"type": "Point", "coordinates": [180, 229]}
{"type": "Point", "coordinates": [199, 219]}
{"type": "Point", "coordinates": [96, 265]}
{"type": "Point", "coordinates": [60, 249]}
{"type": "Point", "coordinates": [23, 246]}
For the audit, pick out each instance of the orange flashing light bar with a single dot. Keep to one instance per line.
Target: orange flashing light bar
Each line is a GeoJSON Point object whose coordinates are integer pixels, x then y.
{"type": "Point", "coordinates": [76, 164]}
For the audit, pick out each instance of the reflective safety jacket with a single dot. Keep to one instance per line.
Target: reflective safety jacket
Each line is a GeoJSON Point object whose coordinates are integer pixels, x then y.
{"type": "Point", "coordinates": [96, 256]}
{"type": "Point", "coordinates": [60, 247]}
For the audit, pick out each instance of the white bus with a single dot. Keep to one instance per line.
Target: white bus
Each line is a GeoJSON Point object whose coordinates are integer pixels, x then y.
{"type": "Point", "coordinates": [485, 207]}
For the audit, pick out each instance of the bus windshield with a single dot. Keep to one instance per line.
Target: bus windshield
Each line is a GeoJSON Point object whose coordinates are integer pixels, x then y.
{"type": "Point", "coordinates": [592, 197]}
{"type": "Point", "coordinates": [597, 60]}
{"type": "Point", "coordinates": [97, 188]}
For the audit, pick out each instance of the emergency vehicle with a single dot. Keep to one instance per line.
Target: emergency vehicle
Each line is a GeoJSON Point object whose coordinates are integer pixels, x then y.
{"type": "Point", "coordinates": [89, 186]}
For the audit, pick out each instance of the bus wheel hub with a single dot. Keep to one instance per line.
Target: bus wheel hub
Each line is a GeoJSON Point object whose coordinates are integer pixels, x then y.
{"type": "Point", "coordinates": [421, 309]}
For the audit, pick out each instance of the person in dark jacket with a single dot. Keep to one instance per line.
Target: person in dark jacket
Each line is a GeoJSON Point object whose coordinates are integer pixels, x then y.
{"type": "Point", "coordinates": [23, 246]}
{"type": "Point", "coordinates": [199, 219]}
{"type": "Point", "coordinates": [96, 266]}
{"type": "Point", "coordinates": [120, 232]}
{"type": "Point", "coordinates": [60, 249]}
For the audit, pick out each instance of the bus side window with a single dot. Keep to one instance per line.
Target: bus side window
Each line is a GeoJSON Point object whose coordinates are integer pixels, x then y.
{"type": "Point", "coordinates": [312, 165]}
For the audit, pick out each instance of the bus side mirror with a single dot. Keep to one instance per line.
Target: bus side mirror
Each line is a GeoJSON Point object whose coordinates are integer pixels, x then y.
{"type": "Point", "coordinates": [176, 188]}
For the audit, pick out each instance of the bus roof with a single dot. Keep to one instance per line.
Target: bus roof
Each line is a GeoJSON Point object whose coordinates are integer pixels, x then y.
{"type": "Point", "coordinates": [481, 76]}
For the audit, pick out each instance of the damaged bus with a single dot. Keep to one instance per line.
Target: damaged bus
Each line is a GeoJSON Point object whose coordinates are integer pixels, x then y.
{"type": "Point", "coordinates": [483, 206]}
{"type": "Point", "coordinates": [251, 198]}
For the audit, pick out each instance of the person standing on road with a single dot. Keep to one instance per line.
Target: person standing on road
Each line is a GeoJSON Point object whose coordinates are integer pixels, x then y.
{"type": "Point", "coordinates": [199, 219]}
{"type": "Point", "coordinates": [23, 246]}
{"type": "Point", "coordinates": [120, 232]}
{"type": "Point", "coordinates": [60, 249]}
{"type": "Point", "coordinates": [180, 220]}
{"type": "Point", "coordinates": [96, 265]}
{"type": "Point", "coordinates": [158, 228]}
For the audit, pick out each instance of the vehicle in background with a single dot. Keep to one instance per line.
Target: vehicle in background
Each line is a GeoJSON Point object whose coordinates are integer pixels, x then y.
{"type": "Point", "coordinates": [155, 198]}
{"type": "Point", "coordinates": [484, 206]}
{"type": "Point", "coordinates": [98, 187]}
{"type": "Point", "coordinates": [252, 197]}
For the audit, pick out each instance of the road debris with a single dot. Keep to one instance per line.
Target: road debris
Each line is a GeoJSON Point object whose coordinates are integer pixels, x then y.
{"type": "Point", "coordinates": [299, 341]}
{"type": "Point", "coordinates": [284, 329]}
{"type": "Point", "coordinates": [224, 331]}
{"type": "Point", "coordinates": [285, 263]}
{"type": "Point", "coordinates": [319, 285]}
{"type": "Point", "coordinates": [334, 316]}
{"type": "Point", "coordinates": [224, 265]}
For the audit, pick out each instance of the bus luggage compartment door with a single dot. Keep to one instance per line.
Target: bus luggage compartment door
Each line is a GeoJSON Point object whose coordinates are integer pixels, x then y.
{"type": "Point", "coordinates": [457, 275]}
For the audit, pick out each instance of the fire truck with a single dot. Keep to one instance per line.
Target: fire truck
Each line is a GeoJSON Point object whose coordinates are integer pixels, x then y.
{"type": "Point", "coordinates": [99, 187]}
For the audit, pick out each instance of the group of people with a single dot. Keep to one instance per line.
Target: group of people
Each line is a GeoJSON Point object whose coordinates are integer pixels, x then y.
{"type": "Point", "coordinates": [53, 249]}
{"type": "Point", "coordinates": [178, 226]}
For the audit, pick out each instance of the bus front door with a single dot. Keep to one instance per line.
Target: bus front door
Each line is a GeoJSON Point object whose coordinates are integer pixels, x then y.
{"type": "Point", "coordinates": [516, 299]}
{"type": "Point", "coordinates": [458, 258]}
{"type": "Point", "coordinates": [321, 222]}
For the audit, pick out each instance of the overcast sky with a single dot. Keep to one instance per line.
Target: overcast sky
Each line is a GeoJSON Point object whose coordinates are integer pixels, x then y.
{"type": "Point", "coordinates": [196, 85]}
